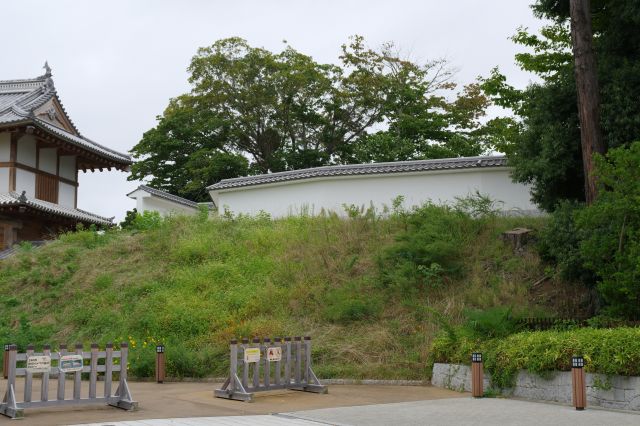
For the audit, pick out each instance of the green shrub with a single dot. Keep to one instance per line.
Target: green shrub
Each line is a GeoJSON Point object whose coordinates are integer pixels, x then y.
{"type": "Point", "coordinates": [606, 351]}
{"type": "Point", "coordinates": [611, 226]}
{"type": "Point", "coordinates": [559, 243]}
{"type": "Point", "coordinates": [429, 251]}
{"type": "Point", "coordinates": [495, 322]}
{"type": "Point", "coordinates": [345, 305]}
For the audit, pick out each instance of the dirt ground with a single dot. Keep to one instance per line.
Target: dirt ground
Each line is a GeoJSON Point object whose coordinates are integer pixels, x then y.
{"type": "Point", "coordinates": [196, 399]}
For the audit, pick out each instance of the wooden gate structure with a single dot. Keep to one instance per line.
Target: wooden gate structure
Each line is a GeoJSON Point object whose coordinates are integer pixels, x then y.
{"type": "Point", "coordinates": [11, 407]}
{"type": "Point", "coordinates": [281, 364]}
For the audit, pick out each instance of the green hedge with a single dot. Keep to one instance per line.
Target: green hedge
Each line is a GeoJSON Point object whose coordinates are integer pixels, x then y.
{"type": "Point", "coordinates": [606, 351]}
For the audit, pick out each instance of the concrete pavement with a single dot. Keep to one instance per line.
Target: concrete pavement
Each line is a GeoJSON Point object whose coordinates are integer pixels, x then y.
{"type": "Point", "coordinates": [467, 411]}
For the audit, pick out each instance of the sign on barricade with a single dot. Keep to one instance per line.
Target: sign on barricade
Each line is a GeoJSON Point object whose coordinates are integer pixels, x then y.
{"type": "Point", "coordinates": [66, 362]}
{"type": "Point", "coordinates": [281, 364]}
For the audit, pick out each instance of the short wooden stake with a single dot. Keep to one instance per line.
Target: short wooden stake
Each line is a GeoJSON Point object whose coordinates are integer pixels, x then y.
{"type": "Point", "coordinates": [160, 364]}
{"type": "Point", "coordinates": [5, 365]}
{"type": "Point", "coordinates": [579, 383]}
{"type": "Point", "coordinates": [477, 375]}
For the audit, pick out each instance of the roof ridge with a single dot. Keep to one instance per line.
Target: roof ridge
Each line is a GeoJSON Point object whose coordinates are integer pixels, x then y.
{"type": "Point", "coordinates": [165, 194]}
{"type": "Point", "coordinates": [364, 169]}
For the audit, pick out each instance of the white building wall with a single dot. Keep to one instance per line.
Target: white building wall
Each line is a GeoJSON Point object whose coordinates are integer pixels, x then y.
{"type": "Point", "coordinates": [4, 179]}
{"type": "Point", "coordinates": [26, 153]}
{"type": "Point", "coordinates": [68, 167]}
{"type": "Point", "coordinates": [66, 195]}
{"type": "Point", "coordinates": [48, 160]}
{"type": "Point", "coordinates": [330, 193]}
{"type": "Point", "coordinates": [26, 181]}
{"type": "Point", "coordinates": [5, 146]}
{"type": "Point", "coordinates": [147, 202]}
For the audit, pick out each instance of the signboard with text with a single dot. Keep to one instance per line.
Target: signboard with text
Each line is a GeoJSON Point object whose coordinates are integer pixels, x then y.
{"type": "Point", "coordinates": [252, 355]}
{"type": "Point", "coordinates": [38, 364]}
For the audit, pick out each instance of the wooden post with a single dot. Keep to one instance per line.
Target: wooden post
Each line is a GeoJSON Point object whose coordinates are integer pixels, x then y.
{"type": "Point", "coordinates": [108, 369]}
{"type": "Point", "coordinates": [77, 376]}
{"type": "Point", "coordinates": [477, 375]}
{"type": "Point", "coordinates": [298, 362]}
{"type": "Point", "coordinates": [28, 377]}
{"type": "Point", "coordinates": [93, 374]}
{"type": "Point", "coordinates": [245, 365]}
{"type": "Point", "coordinates": [5, 365]}
{"type": "Point", "coordinates": [44, 386]}
{"type": "Point", "coordinates": [61, 376]}
{"type": "Point", "coordinates": [256, 366]}
{"type": "Point", "coordinates": [267, 363]}
{"type": "Point", "coordinates": [160, 364]}
{"type": "Point", "coordinates": [579, 383]}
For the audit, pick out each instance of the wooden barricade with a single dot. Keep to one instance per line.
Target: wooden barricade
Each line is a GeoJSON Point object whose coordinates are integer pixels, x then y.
{"type": "Point", "coordinates": [281, 364]}
{"type": "Point", "coordinates": [42, 363]}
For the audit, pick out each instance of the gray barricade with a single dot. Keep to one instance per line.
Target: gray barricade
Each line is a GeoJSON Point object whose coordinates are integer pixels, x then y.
{"type": "Point", "coordinates": [72, 363]}
{"type": "Point", "coordinates": [281, 364]}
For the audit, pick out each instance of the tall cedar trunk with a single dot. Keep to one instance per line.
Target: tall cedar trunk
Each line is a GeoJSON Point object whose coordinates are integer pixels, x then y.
{"type": "Point", "coordinates": [588, 93]}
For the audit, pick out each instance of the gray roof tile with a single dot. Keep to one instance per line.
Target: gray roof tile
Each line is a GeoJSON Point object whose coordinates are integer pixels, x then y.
{"type": "Point", "coordinates": [13, 198]}
{"type": "Point", "coordinates": [364, 169]}
{"type": "Point", "coordinates": [19, 99]}
{"type": "Point", "coordinates": [166, 195]}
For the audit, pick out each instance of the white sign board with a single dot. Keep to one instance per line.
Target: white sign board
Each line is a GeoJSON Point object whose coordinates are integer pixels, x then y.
{"type": "Point", "coordinates": [252, 355]}
{"type": "Point", "coordinates": [274, 354]}
{"type": "Point", "coordinates": [70, 363]}
{"type": "Point", "coordinates": [38, 364]}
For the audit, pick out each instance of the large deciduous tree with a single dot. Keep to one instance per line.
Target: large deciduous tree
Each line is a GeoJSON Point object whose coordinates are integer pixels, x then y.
{"type": "Point", "coordinates": [254, 111]}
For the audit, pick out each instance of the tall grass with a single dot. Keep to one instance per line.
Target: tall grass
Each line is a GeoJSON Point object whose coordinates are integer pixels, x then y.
{"type": "Point", "coordinates": [363, 287]}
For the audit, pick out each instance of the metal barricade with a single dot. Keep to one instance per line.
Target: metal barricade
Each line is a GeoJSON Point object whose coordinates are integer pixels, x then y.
{"type": "Point", "coordinates": [281, 364]}
{"type": "Point", "coordinates": [71, 363]}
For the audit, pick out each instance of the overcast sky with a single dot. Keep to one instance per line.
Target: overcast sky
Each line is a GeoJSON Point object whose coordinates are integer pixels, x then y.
{"type": "Point", "coordinates": [116, 63]}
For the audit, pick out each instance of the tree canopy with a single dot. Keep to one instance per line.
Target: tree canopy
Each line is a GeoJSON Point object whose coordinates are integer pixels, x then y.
{"type": "Point", "coordinates": [254, 111]}
{"type": "Point", "coordinates": [545, 144]}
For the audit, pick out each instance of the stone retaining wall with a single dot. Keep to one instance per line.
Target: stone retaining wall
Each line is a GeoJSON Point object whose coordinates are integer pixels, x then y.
{"type": "Point", "coordinates": [617, 392]}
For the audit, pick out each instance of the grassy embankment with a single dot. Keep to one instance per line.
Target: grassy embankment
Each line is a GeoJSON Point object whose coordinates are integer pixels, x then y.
{"type": "Point", "coordinates": [357, 286]}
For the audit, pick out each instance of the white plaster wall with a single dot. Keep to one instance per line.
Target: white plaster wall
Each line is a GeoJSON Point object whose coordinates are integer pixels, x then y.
{"type": "Point", "coordinates": [146, 202]}
{"type": "Point", "coordinates": [4, 179]}
{"type": "Point", "coordinates": [66, 195]}
{"type": "Point", "coordinates": [48, 160]}
{"type": "Point", "coordinates": [27, 150]}
{"type": "Point", "coordinates": [68, 167]}
{"type": "Point", "coordinates": [313, 195]}
{"type": "Point", "coordinates": [26, 181]}
{"type": "Point", "coordinates": [5, 146]}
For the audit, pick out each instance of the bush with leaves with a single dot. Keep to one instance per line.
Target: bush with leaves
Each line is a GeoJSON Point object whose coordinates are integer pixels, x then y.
{"type": "Point", "coordinates": [429, 252]}
{"type": "Point", "coordinates": [610, 246]}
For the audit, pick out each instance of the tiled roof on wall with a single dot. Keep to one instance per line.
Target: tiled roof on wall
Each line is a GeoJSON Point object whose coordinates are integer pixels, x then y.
{"type": "Point", "coordinates": [364, 169]}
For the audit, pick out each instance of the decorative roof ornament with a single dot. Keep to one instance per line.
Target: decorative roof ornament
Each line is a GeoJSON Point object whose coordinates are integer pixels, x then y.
{"type": "Point", "coordinates": [23, 197]}
{"type": "Point", "coordinates": [47, 69]}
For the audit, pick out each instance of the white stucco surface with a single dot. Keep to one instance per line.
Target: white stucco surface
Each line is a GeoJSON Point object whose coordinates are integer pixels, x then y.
{"type": "Point", "coordinates": [26, 153]}
{"type": "Point", "coordinates": [26, 181]}
{"type": "Point", "coordinates": [5, 146]}
{"type": "Point", "coordinates": [48, 160]}
{"type": "Point", "coordinates": [311, 196]}
{"type": "Point", "coordinates": [66, 195]}
{"type": "Point", "coordinates": [147, 202]}
{"type": "Point", "coordinates": [4, 179]}
{"type": "Point", "coordinates": [68, 167]}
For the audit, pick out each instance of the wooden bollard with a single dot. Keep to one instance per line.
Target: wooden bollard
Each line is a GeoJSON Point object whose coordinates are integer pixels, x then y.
{"type": "Point", "coordinates": [579, 383]}
{"type": "Point", "coordinates": [477, 375]}
{"type": "Point", "coordinates": [5, 360]}
{"type": "Point", "coordinates": [160, 364]}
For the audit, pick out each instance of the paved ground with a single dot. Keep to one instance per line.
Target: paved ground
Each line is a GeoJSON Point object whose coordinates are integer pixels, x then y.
{"type": "Point", "coordinates": [173, 400]}
{"type": "Point", "coordinates": [193, 404]}
{"type": "Point", "coordinates": [467, 411]}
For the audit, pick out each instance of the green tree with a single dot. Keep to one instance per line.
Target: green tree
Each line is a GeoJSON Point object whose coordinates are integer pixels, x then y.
{"type": "Point", "coordinates": [254, 111]}
{"type": "Point", "coordinates": [545, 148]}
{"type": "Point", "coordinates": [610, 231]}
